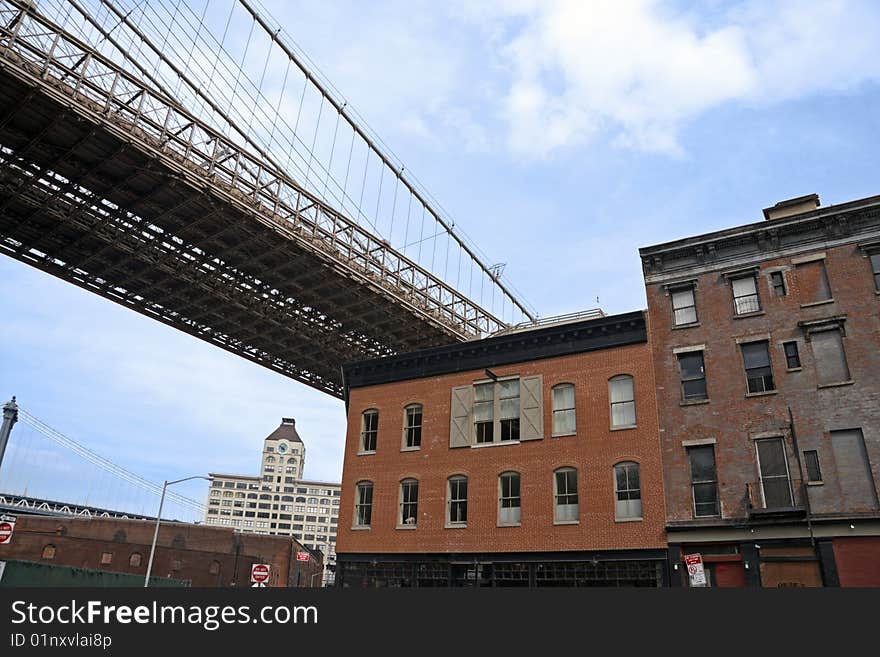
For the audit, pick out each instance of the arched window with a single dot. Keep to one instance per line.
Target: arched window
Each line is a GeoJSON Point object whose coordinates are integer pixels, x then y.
{"type": "Point", "coordinates": [270, 459]}
{"type": "Point", "coordinates": [135, 560]}
{"type": "Point", "coordinates": [292, 459]}
{"type": "Point", "coordinates": [363, 507]}
{"type": "Point", "coordinates": [214, 568]}
{"type": "Point", "coordinates": [301, 500]}
{"type": "Point", "coordinates": [412, 426]}
{"type": "Point", "coordinates": [48, 552]}
{"type": "Point", "coordinates": [627, 491]}
{"type": "Point", "coordinates": [623, 404]}
{"type": "Point", "coordinates": [565, 488]}
{"type": "Point", "coordinates": [369, 430]}
{"type": "Point", "coordinates": [509, 500]}
{"type": "Point", "coordinates": [456, 500]}
{"type": "Point", "coordinates": [564, 420]}
{"type": "Point", "coordinates": [409, 502]}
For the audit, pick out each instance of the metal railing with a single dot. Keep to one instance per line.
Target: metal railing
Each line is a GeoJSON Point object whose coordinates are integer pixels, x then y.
{"type": "Point", "coordinates": [774, 494]}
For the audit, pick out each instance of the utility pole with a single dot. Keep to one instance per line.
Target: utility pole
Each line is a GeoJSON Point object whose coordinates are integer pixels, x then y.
{"type": "Point", "coordinates": [10, 417]}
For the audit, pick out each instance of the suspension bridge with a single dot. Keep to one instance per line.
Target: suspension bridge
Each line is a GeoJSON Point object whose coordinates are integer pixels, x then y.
{"type": "Point", "coordinates": [192, 164]}
{"type": "Point", "coordinates": [45, 472]}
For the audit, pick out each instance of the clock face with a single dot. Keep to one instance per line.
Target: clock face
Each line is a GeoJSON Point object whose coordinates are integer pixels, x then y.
{"type": "Point", "coordinates": [282, 448]}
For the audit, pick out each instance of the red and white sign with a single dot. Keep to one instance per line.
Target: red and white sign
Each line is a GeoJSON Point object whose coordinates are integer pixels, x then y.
{"type": "Point", "coordinates": [696, 573]}
{"type": "Point", "coordinates": [259, 573]}
{"type": "Point", "coordinates": [302, 556]}
{"type": "Point", "coordinates": [7, 526]}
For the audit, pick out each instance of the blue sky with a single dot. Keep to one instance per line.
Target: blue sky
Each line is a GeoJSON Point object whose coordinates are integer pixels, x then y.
{"type": "Point", "coordinates": [561, 136]}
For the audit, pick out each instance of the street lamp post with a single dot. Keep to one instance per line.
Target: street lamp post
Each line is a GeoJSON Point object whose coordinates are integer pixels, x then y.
{"type": "Point", "coordinates": [159, 519]}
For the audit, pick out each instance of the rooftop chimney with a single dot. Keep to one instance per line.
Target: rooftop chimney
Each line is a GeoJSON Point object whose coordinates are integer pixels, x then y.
{"type": "Point", "coordinates": [288, 420]}
{"type": "Point", "coordinates": [791, 207]}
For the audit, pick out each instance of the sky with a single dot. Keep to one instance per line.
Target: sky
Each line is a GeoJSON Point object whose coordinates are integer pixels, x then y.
{"type": "Point", "coordinates": [561, 136]}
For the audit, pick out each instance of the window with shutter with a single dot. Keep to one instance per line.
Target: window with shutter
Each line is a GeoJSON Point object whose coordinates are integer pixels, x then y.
{"type": "Point", "coordinates": [813, 282]}
{"type": "Point", "coordinates": [831, 365]}
{"type": "Point", "coordinates": [460, 417]}
{"type": "Point", "coordinates": [532, 408]}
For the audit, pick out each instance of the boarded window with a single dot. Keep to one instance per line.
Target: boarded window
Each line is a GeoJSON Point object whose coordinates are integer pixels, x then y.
{"type": "Point", "coordinates": [831, 366]}
{"type": "Point", "coordinates": [853, 471]}
{"type": "Point", "coordinates": [813, 282]}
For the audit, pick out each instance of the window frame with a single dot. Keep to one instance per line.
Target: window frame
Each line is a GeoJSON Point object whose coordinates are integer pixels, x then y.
{"type": "Point", "coordinates": [778, 284]}
{"type": "Point", "coordinates": [763, 377]}
{"type": "Point", "coordinates": [359, 504]}
{"type": "Point", "coordinates": [808, 455]}
{"type": "Point", "coordinates": [411, 430]}
{"type": "Point", "coordinates": [567, 494]}
{"type": "Point", "coordinates": [627, 465]}
{"type": "Point", "coordinates": [492, 431]}
{"type": "Point", "coordinates": [874, 254]}
{"type": "Point", "coordinates": [406, 502]}
{"type": "Point", "coordinates": [683, 380]}
{"type": "Point", "coordinates": [693, 449]}
{"type": "Point", "coordinates": [509, 474]}
{"type": "Point", "coordinates": [692, 289]}
{"type": "Point", "coordinates": [555, 432]}
{"type": "Point", "coordinates": [780, 440]}
{"type": "Point", "coordinates": [756, 294]}
{"type": "Point", "coordinates": [452, 500]}
{"type": "Point", "coordinates": [365, 431]}
{"type": "Point", "coordinates": [632, 401]}
{"type": "Point", "coordinates": [788, 357]}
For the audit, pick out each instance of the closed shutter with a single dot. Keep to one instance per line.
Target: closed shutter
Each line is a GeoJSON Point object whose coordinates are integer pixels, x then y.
{"type": "Point", "coordinates": [531, 423]}
{"type": "Point", "coordinates": [828, 351]}
{"type": "Point", "coordinates": [460, 416]}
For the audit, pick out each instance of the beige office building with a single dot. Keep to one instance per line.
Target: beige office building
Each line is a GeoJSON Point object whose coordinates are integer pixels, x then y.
{"type": "Point", "coordinates": [279, 501]}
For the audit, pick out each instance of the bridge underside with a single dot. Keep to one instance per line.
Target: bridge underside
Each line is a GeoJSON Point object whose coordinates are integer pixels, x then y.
{"type": "Point", "coordinates": [96, 209]}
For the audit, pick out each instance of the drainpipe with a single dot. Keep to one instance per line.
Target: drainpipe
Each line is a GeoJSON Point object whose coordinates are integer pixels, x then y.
{"type": "Point", "coordinates": [804, 488]}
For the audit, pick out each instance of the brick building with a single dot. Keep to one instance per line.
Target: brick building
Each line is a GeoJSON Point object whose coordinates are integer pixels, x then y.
{"type": "Point", "coordinates": [529, 458]}
{"type": "Point", "coordinates": [204, 556]}
{"type": "Point", "coordinates": [766, 342]}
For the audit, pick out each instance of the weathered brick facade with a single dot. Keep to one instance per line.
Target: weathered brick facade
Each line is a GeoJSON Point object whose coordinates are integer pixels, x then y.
{"type": "Point", "coordinates": [835, 406]}
{"type": "Point", "coordinates": [595, 355]}
{"type": "Point", "coordinates": [206, 556]}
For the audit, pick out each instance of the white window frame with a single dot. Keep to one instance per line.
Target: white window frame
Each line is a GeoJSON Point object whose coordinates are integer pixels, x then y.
{"type": "Point", "coordinates": [411, 429]}
{"type": "Point", "coordinates": [626, 516]}
{"type": "Point", "coordinates": [364, 431]}
{"type": "Point", "coordinates": [509, 518]}
{"type": "Point", "coordinates": [632, 401]}
{"type": "Point", "coordinates": [359, 503]}
{"type": "Point", "coordinates": [450, 501]}
{"type": "Point", "coordinates": [678, 291]}
{"type": "Point", "coordinates": [564, 411]}
{"type": "Point", "coordinates": [411, 519]}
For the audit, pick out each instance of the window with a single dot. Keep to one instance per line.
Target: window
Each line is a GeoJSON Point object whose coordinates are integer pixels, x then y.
{"type": "Point", "coordinates": [777, 282]}
{"type": "Point", "coordinates": [693, 376]}
{"type": "Point", "coordinates": [831, 365]}
{"type": "Point", "coordinates": [811, 461]}
{"type": "Point", "coordinates": [627, 493]}
{"type": "Point", "coordinates": [48, 552]}
{"type": "Point", "coordinates": [566, 492]}
{"type": "Point", "coordinates": [623, 405]}
{"type": "Point", "coordinates": [412, 426]}
{"type": "Point", "coordinates": [270, 459]}
{"type": "Point", "coordinates": [853, 467]}
{"type": "Point", "coordinates": [875, 267]}
{"type": "Point", "coordinates": [704, 482]}
{"type": "Point", "coordinates": [509, 397]}
{"type": "Point", "coordinates": [813, 282]}
{"type": "Point", "coordinates": [773, 467]}
{"type": "Point", "coordinates": [214, 568]}
{"type": "Point", "coordinates": [684, 308]}
{"type": "Point", "coordinates": [484, 421]}
{"type": "Point", "coordinates": [759, 373]}
{"type": "Point", "coordinates": [456, 513]}
{"type": "Point", "coordinates": [106, 558]}
{"type": "Point", "coordinates": [363, 509]}
{"type": "Point", "coordinates": [792, 357]}
{"type": "Point", "coordinates": [745, 295]}
{"type": "Point", "coordinates": [369, 430]}
{"type": "Point", "coordinates": [509, 499]}
{"type": "Point", "coordinates": [563, 410]}
{"type": "Point", "coordinates": [409, 502]}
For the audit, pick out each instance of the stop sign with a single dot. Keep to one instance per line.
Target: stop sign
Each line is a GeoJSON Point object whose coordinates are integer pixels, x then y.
{"type": "Point", "coordinates": [259, 573]}
{"type": "Point", "coordinates": [6, 532]}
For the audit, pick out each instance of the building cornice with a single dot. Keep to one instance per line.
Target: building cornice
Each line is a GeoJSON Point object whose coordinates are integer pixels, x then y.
{"type": "Point", "coordinates": [520, 347]}
{"type": "Point", "coordinates": [825, 227]}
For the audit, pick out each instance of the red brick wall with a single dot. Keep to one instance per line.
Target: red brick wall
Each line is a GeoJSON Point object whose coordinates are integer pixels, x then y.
{"type": "Point", "coordinates": [730, 417]}
{"type": "Point", "coordinates": [858, 560]}
{"type": "Point", "coordinates": [593, 451]}
{"type": "Point", "coordinates": [81, 542]}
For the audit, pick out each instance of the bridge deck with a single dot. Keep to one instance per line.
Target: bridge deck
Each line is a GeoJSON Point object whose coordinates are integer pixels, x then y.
{"type": "Point", "coordinates": [100, 204]}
